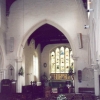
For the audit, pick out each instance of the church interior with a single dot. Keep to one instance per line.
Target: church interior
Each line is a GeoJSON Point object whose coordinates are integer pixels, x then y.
{"type": "Point", "coordinates": [49, 50]}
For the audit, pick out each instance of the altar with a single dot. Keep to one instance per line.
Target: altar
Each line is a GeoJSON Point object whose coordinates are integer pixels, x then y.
{"type": "Point", "coordinates": [61, 86]}
{"type": "Point", "coordinates": [58, 83]}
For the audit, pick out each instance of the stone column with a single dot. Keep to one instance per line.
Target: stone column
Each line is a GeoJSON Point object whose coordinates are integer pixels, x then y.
{"type": "Point", "coordinates": [75, 76]}
{"type": "Point", "coordinates": [2, 74]}
{"type": "Point", "coordinates": [96, 82]}
{"type": "Point", "coordinates": [5, 72]}
{"type": "Point", "coordinates": [96, 78]}
{"type": "Point", "coordinates": [18, 78]}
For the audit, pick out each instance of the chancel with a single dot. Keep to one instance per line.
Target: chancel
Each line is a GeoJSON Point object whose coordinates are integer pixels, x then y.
{"type": "Point", "coordinates": [49, 49]}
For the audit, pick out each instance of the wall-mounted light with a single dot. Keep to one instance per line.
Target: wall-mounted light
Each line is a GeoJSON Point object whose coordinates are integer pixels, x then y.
{"type": "Point", "coordinates": [86, 26]}
{"type": "Point", "coordinates": [89, 10]}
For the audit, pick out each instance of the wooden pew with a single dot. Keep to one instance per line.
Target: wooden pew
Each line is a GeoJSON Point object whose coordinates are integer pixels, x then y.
{"type": "Point", "coordinates": [86, 90]}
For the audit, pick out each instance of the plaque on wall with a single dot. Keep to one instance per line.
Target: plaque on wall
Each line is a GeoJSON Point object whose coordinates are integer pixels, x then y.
{"type": "Point", "coordinates": [87, 74]}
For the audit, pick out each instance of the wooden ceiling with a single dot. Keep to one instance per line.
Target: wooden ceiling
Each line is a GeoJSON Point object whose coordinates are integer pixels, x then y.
{"type": "Point", "coordinates": [47, 34]}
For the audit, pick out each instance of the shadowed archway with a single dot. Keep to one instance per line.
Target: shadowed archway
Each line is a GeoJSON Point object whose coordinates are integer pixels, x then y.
{"type": "Point", "coordinates": [47, 34]}
{"type": "Point", "coordinates": [33, 29]}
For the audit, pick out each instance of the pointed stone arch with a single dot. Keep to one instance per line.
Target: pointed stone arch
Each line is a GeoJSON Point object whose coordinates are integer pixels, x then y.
{"type": "Point", "coordinates": [26, 36]}
{"type": "Point", "coordinates": [35, 27]}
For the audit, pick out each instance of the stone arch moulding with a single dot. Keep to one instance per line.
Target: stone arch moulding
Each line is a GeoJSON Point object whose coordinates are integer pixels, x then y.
{"type": "Point", "coordinates": [35, 27]}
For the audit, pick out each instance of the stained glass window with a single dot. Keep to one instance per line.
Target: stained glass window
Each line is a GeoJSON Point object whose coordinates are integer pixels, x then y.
{"type": "Point", "coordinates": [61, 60]}
{"type": "Point", "coordinates": [53, 68]}
{"type": "Point", "coordinates": [66, 60]}
{"type": "Point", "coordinates": [62, 68]}
{"type": "Point", "coordinates": [71, 60]}
{"type": "Point", "coordinates": [57, 61]}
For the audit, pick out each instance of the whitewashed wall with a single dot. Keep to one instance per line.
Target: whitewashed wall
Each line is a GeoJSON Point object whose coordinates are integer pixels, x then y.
{"type": "Point", "coordinates": [94, 35]}
{"type": "Point", "coordinates": [29, 51]}
{"type": "Point", "coordinates": [26, 14]}
{"type": "Point", "coordinates": [3, 15]}
{"type": "Point", "coordinates": [69, 16]}
{"type": "Point", "coordinates": [94, 30]}
{"type": "Point", "coordinates": [2, 30]}
{"type": "Point", "coordinates": [2, 39]}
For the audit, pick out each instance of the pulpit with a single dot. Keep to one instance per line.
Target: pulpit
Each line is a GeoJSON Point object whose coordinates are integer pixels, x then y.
{"type": "Point", "coordinates": [8, 86]}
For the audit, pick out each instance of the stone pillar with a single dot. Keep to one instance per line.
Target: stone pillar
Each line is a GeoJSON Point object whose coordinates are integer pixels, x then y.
{"type": "Point", "coordinates": [2, 76]}
{"type": "Point", "coordinates": [75, 76]}
{"type": "Point", "coordinates": [96, 82]}
{"type": "Point", "coordinates": [96, 78]}
{"type": "Point", "coordinates": [18, 78]}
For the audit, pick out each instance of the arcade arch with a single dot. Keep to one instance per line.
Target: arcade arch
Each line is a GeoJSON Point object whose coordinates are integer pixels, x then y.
{"type": "Point", "coordinates": [32, 29]}
{"type": "Point", "coordinates": [35, 27]}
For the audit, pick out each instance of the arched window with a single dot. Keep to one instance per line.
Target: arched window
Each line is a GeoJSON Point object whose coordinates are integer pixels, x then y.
{"type": "Point", "coordinates": [35, 67]}
{"type": "Point", "coordinates": [61, 62]}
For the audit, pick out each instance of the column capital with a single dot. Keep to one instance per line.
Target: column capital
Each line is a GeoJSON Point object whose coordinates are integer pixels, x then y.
{"type": "Point", "coordinates": [2, 69]}
{"type": "Point", "coordinates": [95, 67]}
{"type": "Point", "coordinates": [18, 60]}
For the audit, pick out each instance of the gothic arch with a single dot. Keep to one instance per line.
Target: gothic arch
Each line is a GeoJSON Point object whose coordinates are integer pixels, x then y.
{"type": "Point", "coordinates": [35, 27]}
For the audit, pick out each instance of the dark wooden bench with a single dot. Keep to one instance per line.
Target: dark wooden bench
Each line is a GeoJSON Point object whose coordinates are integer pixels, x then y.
{"type": "Point", "coordinates": [86, 90]}
{"type": "Point", "coordinates": [16, 96]}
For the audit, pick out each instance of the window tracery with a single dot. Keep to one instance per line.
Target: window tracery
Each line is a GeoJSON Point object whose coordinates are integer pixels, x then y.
{"type": "Point", "coordinates": [61, 62]}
